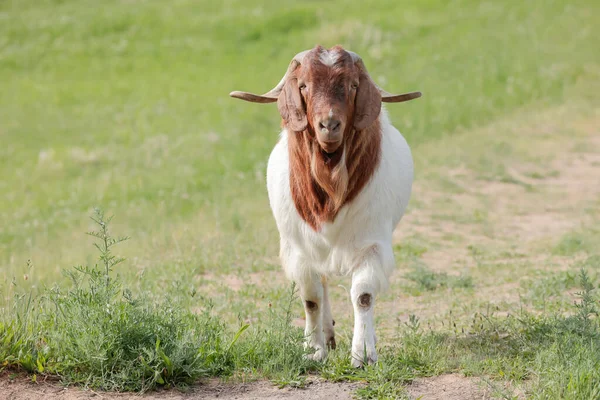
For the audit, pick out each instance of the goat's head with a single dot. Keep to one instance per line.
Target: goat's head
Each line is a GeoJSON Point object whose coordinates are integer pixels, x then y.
{"type": "Point", "coordinates": [330, 93]}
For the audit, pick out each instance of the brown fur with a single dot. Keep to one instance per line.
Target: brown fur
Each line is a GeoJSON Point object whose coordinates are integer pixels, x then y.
{"type": "Point", "coordinates": [317, 201]}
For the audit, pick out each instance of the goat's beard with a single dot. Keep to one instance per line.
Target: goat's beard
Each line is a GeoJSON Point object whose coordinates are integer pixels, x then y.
{"type": "Point", "coordinates": [331, 173]}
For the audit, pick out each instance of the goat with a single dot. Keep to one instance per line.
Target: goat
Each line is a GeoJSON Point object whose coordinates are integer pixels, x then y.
{"type": "Point", "coordinates": [339, 180]}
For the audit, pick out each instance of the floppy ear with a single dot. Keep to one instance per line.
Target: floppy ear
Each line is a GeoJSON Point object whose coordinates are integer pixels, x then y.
{"type": "Point", "coordinates": [367, 102]}
{"type": "Point", "coordinates": [291, 107]}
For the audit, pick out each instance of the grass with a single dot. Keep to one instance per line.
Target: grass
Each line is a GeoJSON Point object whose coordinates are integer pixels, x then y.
{"type": "Point", "coordinates": [426, 279]}
{"type": "Point", "coordinates": [576, 242]}
{"type": "Point", "coordinates": [105, 106]}
{"type": "Point", "coordinates": [125, 106]}
{"type": "Point", "coordinates": [97, 333]}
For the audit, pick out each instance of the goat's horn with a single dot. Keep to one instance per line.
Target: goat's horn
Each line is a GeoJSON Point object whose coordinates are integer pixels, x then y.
{"type": "Point", "coordinates": [272, 95]}
{"type": "Point", "coordinates": [385, 96]}
{"type": "Point", "coordinates": [398, 98]}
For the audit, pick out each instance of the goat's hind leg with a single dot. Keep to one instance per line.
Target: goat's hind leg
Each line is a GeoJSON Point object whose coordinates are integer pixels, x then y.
{"type": "Point", "coordinates": [312, 294]}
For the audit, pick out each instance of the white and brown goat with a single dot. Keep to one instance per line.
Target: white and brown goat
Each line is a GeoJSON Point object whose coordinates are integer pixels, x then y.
{"type": "Point", "coordinates": [339, 181]}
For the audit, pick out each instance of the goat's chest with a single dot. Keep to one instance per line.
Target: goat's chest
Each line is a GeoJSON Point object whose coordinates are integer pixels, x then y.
{"type": "Point", "coordinates": [369, 218]}
{"type": "Point", "coordinates": [350, 224]}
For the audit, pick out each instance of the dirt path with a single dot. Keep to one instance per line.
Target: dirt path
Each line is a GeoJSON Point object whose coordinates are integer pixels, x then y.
{"type": "Point", "coordinates": [549, 189]}
{"type": "Point", "coordinates": [545, 182]}
{"type": "Point", "coordinates": [23, 389]}
{"type": "Point", "coordinates": [445, 387]}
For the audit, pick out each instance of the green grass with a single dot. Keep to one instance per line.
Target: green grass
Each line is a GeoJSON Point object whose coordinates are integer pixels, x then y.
{"type": "Point", "coordinates": [426, 279]}
{"type": "Point", "coordinates": [577, 242]}
{"type": "Point", "coordinates": [124, 106]}
{"type": "Point", "coordinates": [97, 333]}
{"type": "Point", "coordinates": [106, 105]}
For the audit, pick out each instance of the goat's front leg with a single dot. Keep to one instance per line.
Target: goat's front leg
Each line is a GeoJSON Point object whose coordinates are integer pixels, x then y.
{"type": "Point", "coordinates": [328, 322]}
{"type": "Point", "coordinates": [312, 294]}
{"type": "Point", "coordinates": [365, 285]}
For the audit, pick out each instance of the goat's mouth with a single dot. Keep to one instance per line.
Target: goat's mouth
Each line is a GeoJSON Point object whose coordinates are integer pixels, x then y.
{"type": "Point", "coordinates": [330, 147]}
{"type": "Point", "coordinates": [331, 156]}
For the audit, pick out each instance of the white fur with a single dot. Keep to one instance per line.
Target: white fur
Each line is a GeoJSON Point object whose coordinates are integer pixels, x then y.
{"type": "Point", "coordinates": [329, 57]}
{"type": "Point", "coordinates": [357, 243]}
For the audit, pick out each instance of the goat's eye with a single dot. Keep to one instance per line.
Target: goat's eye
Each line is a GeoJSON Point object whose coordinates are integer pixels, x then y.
{"type": "Point", "coordinates": [354, 86]}
{"type": "Point", "coordinates": [302, 86]}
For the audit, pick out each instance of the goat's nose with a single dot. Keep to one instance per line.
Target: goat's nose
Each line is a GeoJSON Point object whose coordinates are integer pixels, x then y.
{"type": "Point", "coordinates": [329, 125]}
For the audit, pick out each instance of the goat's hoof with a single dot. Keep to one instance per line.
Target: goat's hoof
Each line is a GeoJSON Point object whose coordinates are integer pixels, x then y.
{"type": "Point", "coordinates": [359, 360]}
{"type": "Point", "coordinates": [331, 343]}
{"type": "Point", "coordinates": [318, 355]}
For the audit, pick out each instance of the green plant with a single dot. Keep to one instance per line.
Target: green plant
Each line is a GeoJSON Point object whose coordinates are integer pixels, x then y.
{"type": "Point", "coordinates": [98, 334]}
{"type": "Point", "coordinates": [426, 279]}
{"type": "Point", "coordinates": [275, 349]}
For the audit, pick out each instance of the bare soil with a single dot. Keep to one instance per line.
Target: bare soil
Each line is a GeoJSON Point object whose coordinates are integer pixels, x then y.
{"type": "Point", "coordinates": [21, 388]}
{"type": "Point", "coordinates": [444, 387]}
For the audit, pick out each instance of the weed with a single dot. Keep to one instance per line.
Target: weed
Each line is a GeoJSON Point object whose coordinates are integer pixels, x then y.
{"type": "Point", "coordinates": [410, 249]}
{"type": "Point", "coordinates": [546, 289]}
{"type": "Point", "coordinates": [588, 306]}
{"type": "Point", "coordinates": [426, 279]}
{"type": "Point", "coordinates": [98, 334]}
{"type": "Point", "coordinates": [275, 349]}
{"type": "Point", "coordinates": [580, 241]}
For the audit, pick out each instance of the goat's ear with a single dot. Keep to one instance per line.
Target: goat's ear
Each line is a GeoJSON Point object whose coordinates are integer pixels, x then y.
{"type": "Point", "coordinates": [291, 107]}
{"type": "Point", "coordinates": [367, 103]}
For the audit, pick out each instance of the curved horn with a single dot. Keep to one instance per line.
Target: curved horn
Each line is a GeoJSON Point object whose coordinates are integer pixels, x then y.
{"type": "Point", "coordinates": [272, 95]}
{"type": "Point", "coordinates": [385, 96]}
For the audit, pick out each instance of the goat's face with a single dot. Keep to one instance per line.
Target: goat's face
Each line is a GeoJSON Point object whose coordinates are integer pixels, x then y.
{"type": "Point", "coordinates": [329, 93]}
{"type": "Point", "coordinates": [328, 82]}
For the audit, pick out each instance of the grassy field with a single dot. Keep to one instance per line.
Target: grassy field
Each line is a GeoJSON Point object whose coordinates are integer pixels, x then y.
{"type": "Point", "coordinates": [124, 106]}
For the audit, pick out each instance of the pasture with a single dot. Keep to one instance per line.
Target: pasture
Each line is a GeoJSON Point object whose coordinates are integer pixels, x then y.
{"type": "Point", "coordinates": [124, 106]}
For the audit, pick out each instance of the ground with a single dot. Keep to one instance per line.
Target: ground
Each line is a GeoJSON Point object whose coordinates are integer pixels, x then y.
{"type": "Point", "coordinates": [521, 214]}
{"type": "Point", "coordinates": [22, 389]}
{"type": "Point", "coordinates": [445, 387]}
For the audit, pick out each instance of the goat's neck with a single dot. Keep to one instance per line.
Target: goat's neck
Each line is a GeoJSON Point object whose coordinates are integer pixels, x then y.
{"type": "Point", "coordinates": [323, 183]}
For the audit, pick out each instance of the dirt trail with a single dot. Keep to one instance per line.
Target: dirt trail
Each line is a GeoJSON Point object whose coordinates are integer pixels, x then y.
{"type": "Point", "coordinates": [444, 387]}
{"type": "Point", "coordinates": [521, 215]}
{"type": "Point", "coordinates": [520, 210]}
{"type": "Point", "coordinates": [23, 389]}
